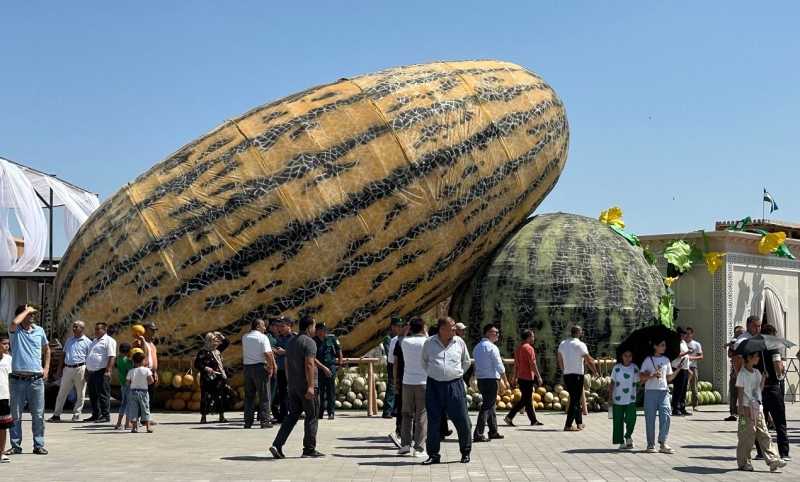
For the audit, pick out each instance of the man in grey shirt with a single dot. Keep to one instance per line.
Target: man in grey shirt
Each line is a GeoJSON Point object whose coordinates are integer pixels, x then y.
{"type": "Point", "coordinates": [445, 357]}
{"type": "Point", "coordinates": [302, 386]}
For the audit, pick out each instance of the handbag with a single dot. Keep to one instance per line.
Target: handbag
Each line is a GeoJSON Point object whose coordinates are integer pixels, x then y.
{"type": "Point", "coordinates": [229, 398]}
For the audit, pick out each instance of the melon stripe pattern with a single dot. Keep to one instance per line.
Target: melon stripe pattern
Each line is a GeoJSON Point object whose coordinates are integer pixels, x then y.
{"type": "Point", "coordinates": [355, 201]}
{"type": "Point", "coordinates": [555, 271]}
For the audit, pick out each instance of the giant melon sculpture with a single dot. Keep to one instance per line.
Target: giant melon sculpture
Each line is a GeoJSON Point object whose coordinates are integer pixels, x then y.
{"type": "Point", "coordinates": [555, 271]}
{"type": "Point", "coordinates": [354, 201]}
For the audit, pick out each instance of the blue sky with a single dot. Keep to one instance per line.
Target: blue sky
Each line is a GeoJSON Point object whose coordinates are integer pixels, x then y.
{"type": "Point", "coordinates": [680, 112]}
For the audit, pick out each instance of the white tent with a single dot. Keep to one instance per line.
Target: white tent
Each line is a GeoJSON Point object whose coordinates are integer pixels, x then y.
{"type": "Point", "coordinates": [28, 193]}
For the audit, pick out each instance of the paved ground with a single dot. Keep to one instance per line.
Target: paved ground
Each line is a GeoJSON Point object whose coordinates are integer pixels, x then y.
{"type": "Point", "coordinates": [358, 449]}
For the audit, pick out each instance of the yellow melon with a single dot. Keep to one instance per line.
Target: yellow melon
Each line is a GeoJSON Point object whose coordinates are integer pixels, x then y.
{"type": "Point", "coordinates": [541, 391]}
{"type": "Point", "coordinates": [137, 330]}
{"type": "Point", "coordinates": [188, 380]}
{"type": "Point", "coordinates": [540, 406]}
{"type": "Point", "coordinates": [537, 398]}
{"type": "Point", "coordinates": [186, 396]}
{"type": "Point", "coordinates": [168, 404]}
{"type": "Point", "coordinates": [506, 399]}
{"type": "Point", "coordinates": [501, 405]}
{"type": "Point", "coordinates": [178, 404]}
{"type": "Point", "coordinates": [177, 381]}
{"type": "Point", "coordinates": [196, 397]}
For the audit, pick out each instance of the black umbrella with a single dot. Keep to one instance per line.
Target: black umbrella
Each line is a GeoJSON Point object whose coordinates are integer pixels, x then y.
{"type": "Point", "coordinates": [640, 343]}
{"type": "Point", "coordinates": [761, 343]}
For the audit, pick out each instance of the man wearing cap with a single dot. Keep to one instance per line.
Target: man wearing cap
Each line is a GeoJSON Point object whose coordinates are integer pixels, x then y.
{"type": "Point", "coordinates": [258, 362]}
{"type": "Point", "coordinates": [99, 362]}
{"type": "Point", "coordinates": [329, 354]}
{"type": "Point", "coordinates": [284, 336]}
{"type": "Point", "coordinates": [71, 370]}
{"type": "Point", "coordinates": [395, 325]}
{"type": "Point", "coordinates": [29, 367]}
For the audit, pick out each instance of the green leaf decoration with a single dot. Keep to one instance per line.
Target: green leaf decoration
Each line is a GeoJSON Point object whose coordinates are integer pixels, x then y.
{"type": "Point", "coordinates": [649, 256]}
{"type": "Point", "coordinates": [628, 236]}
{"type": "Point", "coordinates": [666, 310]}
{"type": "Point", "coordinates": [741, 225]}
{"type": "Point", "coordinates": [678, 252]}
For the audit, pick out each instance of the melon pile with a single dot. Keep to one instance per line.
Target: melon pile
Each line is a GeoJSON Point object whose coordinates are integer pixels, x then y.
{"type": "Point", "coordinates": [187, 396]}
{"type": "Point", "coordinates": [706, 394]}
{"type": "Point", "coordinates": [352, 390]}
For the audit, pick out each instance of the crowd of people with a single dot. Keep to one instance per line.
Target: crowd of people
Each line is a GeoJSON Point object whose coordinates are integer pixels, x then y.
{"type": "Point", "coordinates": [287, 374]}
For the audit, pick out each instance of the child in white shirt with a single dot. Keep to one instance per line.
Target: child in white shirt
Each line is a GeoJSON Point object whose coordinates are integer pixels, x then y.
{"type": "Point", "coordinates": [656, 374]}
{"type": "Point", "coordinates": [138, 399]}
{"type": "Point", "coordinates": [622, 398]}
{"type": "Point", "coordinates": [750, 384]}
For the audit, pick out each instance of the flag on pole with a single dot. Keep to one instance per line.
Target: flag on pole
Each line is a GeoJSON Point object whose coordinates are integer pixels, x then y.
{"type": "Point", "coordinates": [768, 199]}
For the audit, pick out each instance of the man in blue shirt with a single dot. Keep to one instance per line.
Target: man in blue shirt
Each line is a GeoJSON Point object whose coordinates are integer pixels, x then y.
{"type": "Point", "coordinates": [29, 367]}
{"type": "Point", "coordinates": [71, 370]}
{"type": "Point", "coordinates": [488, 369]}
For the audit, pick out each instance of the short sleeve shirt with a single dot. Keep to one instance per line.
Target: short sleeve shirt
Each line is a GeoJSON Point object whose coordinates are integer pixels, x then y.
{"type": "Point", "coordinates": [5, 369]}
{"type": "Point", "coordinates": [698, 350]}
{"type": "Point", "coordinates": [751, 383]}
{"type": "Point", "coordinates": [76, 349]}
{"type": "Point", "coordinates": [523, 356]}
{"type": "Point", "coordinates": [327, 350]}
{"type": "Point", "coordinates": [254, 345]}
{"type": "Point", "coordinates": [653, 364]}
{"type": "Point", "coordinates": [298, 349]}
{"type": "Point", "coordinates": [27, 349]}
{"type": "Point", "coordinates": [572, 351]}
{"type": "Point", "coordinates": [101, 350]}
{"type": "Point", "coordinates": [138, 377]}
{"type": "Point", "coordinates": [625, 381]}
{"type": "Point", "coordinates": [124, 365]}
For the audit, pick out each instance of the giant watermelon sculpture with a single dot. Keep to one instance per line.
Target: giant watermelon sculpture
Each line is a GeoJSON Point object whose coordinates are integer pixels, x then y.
{"type": "Point", "coordinates": [555, 271]}
{"type": "Point", "coordinates": [354, 201]}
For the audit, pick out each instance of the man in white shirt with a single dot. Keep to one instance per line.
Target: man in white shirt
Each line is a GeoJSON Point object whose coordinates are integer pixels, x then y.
{"type": "Point", "coordinates": [695, 355]}
{"type": "Point", "coordinates": [572, 355]}
{"type": "Point", "coordinates": [71, 370]}
{"type": "Point", "coordinates": [681, 380]}
{"type": "Point", "coordinates": [445, 357]}
{"type": "Point", "coordinates": [489, 369]}
{"type": "Point", "coordinates": [258, 364]}
{"type": "Point", "coordinates": [99, 362]}
{"type": "Point", "coordinates": [414, 380]}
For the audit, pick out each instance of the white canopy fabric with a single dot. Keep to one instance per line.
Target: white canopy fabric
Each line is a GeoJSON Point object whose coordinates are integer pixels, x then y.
{"type": "Point", "coordinates": [28, 191]}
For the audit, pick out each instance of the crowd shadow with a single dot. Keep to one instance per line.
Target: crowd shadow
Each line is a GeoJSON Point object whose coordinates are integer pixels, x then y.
{"type": "Point", "coordinates": [364, 439]}
{"type": "Point", "coordinates": [251, 458]}
{"type": "Point", "coordinates": [719, 458]}
{"type": "Point", "coordinates": [703, 470]}
{"type": "Point", "coordinates": [721, 447]}
{"type": "Point", "coordinates": [595, 451]}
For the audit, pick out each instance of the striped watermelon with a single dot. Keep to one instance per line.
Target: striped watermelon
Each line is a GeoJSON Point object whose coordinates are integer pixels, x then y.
{"type": "Point", "coordinates": [354, 201]}
{"type": "Point", "coordinates": [555, 271]}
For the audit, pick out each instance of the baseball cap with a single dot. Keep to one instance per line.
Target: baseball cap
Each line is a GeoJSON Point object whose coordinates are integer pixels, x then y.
{"type": "Point", "coordinates": [285, 319]}
{"type": "Point", "coordinates": [396, 321]}
{"type": "Point", "coordinates": [461, 326]}
{"type": "Point", "coordinates": [124, 347]}
{"type": "Point", "coordinates": [150, 326]}
{"type": "Point", "coordinates": [322, 326]}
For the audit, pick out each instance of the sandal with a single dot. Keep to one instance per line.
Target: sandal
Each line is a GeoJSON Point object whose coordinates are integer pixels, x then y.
{"type": "Point", "coordinates": [40, 451]}
{"type": "Point", "coordinates": [150, 431]}
{"type": "Point", "coordinates": [4, 459]}
{"type": "Point", "coordinates": [134, 430]}
{"type": "Point", "coordinates": [13, 451]}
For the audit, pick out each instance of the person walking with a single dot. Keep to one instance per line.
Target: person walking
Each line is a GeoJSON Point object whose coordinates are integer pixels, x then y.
{"type": "Point", "coordinates": [99, 363]}
{"type": "Point", "coordinates": [526, 371]}
{"type": "Point", "coordinates": [695, 355]}
{"type": "Point", "coordinates": [71, 371]}
{"type": "Point", "coordinates": [303, 383]}
{"type": "Point", "coordinates": [258, 361]}
{"type": "Point", "coordinates": [329, 353]}
{"type": "Point", "coordinates": [395, 325]}
{"type": "Point", "coordinates": [622, 399]}
{"type": "Point", "coordinates": [213, 378]}
{"type": "Point", "coordinates": [445, 357]}
{"type": "Point", "coordinates": [681, 381]}
{"type": "Point", "coordinates": [489, 369]}
{"type": "Point", "coordinates": [656, 372]}
{"type": "Point", "coordinates": [285, 334]}
{"type": "Point", "coordinates": [29, 368]}
{"type": "Point", "coordinates": [410, 374]}
{"type": "Point", "coordinates": [572, 356]}
{"type": "Point", "coordinates": [772, 394]}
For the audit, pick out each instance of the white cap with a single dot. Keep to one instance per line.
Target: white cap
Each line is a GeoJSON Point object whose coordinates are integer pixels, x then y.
{"type": "Point", "coordinates": [461, 326]}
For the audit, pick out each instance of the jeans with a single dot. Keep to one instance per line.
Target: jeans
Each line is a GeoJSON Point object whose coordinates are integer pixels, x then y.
{"type": "Point", "coordinates": [33, 393]}
{"type": "Point", "coordinates": [574, 383]}
{"type": "Point", "coordinates": [774, 405]}
{"type": "Point", "coordinates": [99, 394]}
{"type": "Point", "coordinates": [298, 403]}
{"type": "Point", "coordinates": [526, 401]}
{"type": "Point", "coordinates": [124, 395]}
{"type": "Point", "coordinates": [679, 385]}
{"type": "Point", "coordinates": [657, 401]}
{"type": "Point", "coordinates": [256, 380]}
{"type": "Point", "coordinates": [71, 377]}
{"type": "Point", "coordinates": [138, 404]}
{"type": "Point", "coordinates": [488, 412]}
{"type": "Point", "coordinates": [449, 398]}
{"type": "Point", "coordinates": [388, 400]}
{"type": "Point", "coordinates": [327, 389]}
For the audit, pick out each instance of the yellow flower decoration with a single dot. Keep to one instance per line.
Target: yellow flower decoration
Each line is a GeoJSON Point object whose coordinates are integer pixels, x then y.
{"type": "Point", "coordinates": [713, 261]}
{"type": "Point", "coordinates": [771, 242]}
{"type": "Point", "coordinates": [613, 217]}
{"type": "Point", "coordinates": [669, 281]}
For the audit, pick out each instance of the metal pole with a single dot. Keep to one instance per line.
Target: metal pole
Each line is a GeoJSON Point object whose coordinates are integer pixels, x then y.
{"type": "Point", "coordinates": [50, 268]}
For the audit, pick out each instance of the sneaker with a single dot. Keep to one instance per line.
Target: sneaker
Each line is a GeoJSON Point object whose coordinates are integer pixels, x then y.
{"type": "Point", "coordinates": [103, 420]}
{"type": "Point", "coordinates": [404, 450]}
{"type": "Point", "coordinates": [431, 461]}
{"type": "Point", "coordinates": [76, 418]}
{"type": "Point", "coordinates": [508, 421]}
{"type": "Point", "coordinates": [571, 429]}
{"type": "Point", "coordinates": [537, 423]}
{"type": "Point", "coordinates": [731, 418]}
{"type": "Point", "coordinates": [786, 458]}
{"type": "Point", "coordinates": [4, 459]}
{"type": "Point", "coordinates": [395, 440]}
{"type": "Point", "coordinates": [629, 443]}
{"type": "Point", "coordinates": [666, 449]}
{"type": "Point", "coordinates": [420, 453]}
{"type": "Point", "coordinates": [266, 425]}
{"type": "Point", "coordinates": [651, 449]}
{"type": "Point", "coordinates": [479, 438]}
{"type": "Point", "coordinates": [746, 467]}
{"type": "Point", "coordinates": [774, 466]}
{"type": "Point", "coordinates": [312, 454]}
{"type": "Point", "coordinates": [277, 452]}
{"type": "Point", "coordinates": [623, 447]}
{"type": "Point", "coordinates": [465, 459]}
{"type": "Point", "coordinates": [54, 418]}
{"type": "Point", "coordinates": [684, 413]}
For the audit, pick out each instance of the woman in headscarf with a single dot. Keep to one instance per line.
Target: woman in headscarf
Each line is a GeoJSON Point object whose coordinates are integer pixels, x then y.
{"type": "Point", "coordinates": [213, 379]}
